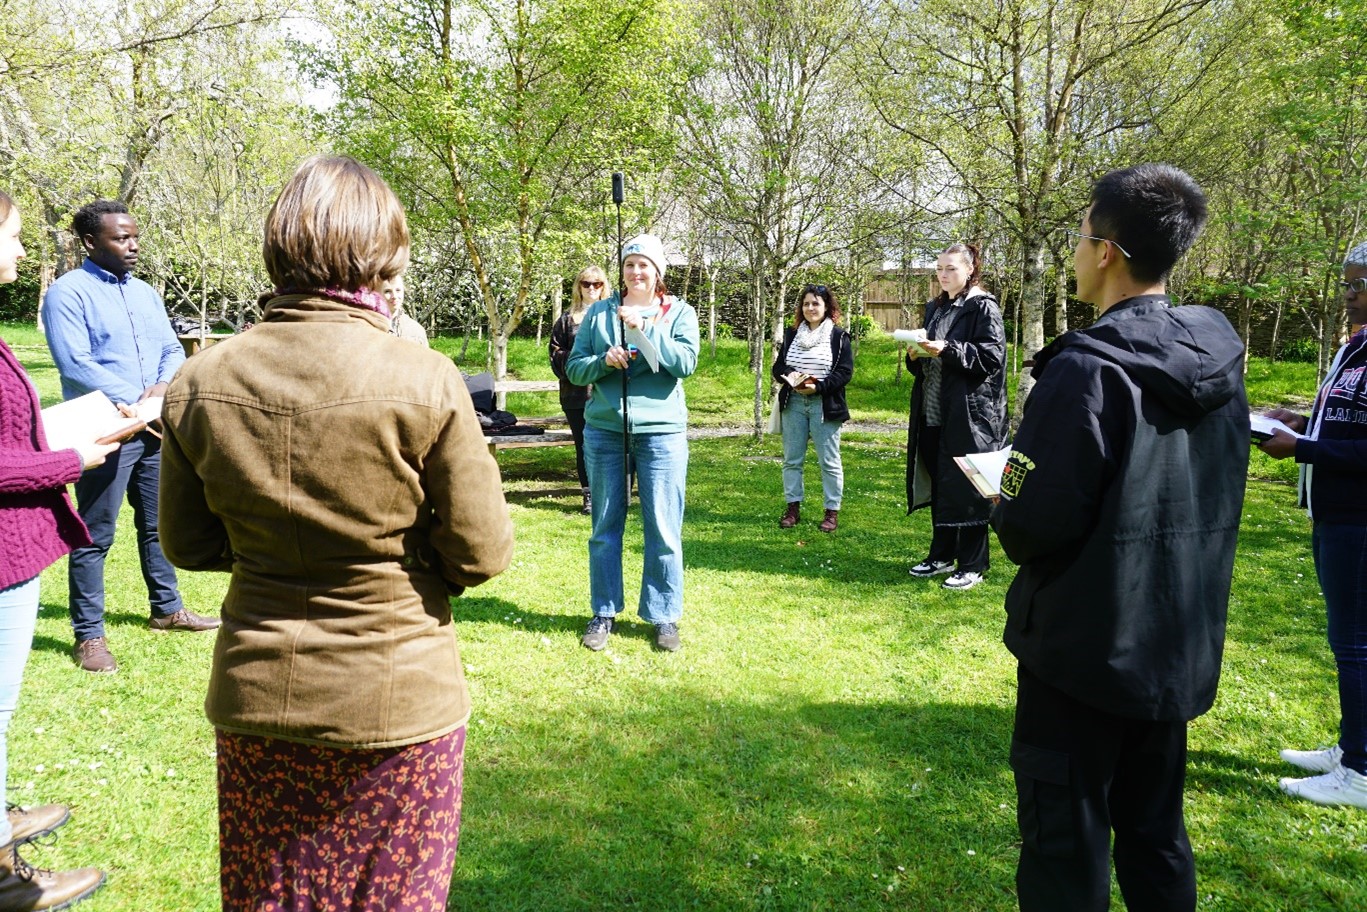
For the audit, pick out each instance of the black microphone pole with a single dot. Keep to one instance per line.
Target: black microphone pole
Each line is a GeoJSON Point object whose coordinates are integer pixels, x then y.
{"type": "Point", "coordinates": [618, 195]}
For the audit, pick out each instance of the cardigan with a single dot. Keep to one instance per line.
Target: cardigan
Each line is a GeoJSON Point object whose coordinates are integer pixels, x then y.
{"type": "Point", "coordinates": [38, 523]}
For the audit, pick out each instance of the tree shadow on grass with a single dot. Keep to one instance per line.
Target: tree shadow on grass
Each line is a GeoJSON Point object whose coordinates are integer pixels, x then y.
{"type": "Point", "coordinates": [683, 802]}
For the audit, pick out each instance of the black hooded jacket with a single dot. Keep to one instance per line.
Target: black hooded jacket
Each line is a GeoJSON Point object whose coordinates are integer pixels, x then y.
{"type": "Point", "coordinates": [1121, 504]}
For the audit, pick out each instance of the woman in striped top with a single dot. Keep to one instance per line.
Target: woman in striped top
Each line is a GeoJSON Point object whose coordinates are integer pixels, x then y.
{"type": "Point", "coordinates": [812, 369]}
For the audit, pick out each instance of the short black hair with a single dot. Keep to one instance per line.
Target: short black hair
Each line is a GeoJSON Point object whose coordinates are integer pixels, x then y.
{"type": "Point", "coordinates": [1153, 211]}
{"type": "Point", "coordinates": [87, 218]}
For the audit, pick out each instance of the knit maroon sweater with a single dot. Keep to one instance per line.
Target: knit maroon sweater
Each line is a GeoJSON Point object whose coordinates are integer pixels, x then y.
{"type": "Point", "coordinates": [37, 521]}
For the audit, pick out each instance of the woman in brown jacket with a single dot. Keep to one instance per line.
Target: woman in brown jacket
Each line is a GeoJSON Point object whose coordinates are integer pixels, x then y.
{"type": "Point", "coordinates": [340, 475]}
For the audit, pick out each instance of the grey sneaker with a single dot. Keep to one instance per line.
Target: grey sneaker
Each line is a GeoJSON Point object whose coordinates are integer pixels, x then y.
{"type": "Point", "coordinates": [963, 579]}
{"type": "Point", "coordinates": [596, 634]}
{"type": "Point", "coordinates": [667, 637]}
{"type": "Point", "coordinates": [1316, 761]}
{"type": "Point", "coordinates": [930, 567]}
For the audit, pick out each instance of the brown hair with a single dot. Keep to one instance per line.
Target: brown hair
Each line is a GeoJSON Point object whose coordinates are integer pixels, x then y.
{"type": "Point", "coordinates": [592, 273]}
{"type": "Point", "coordinates": [336, 224]}
{"type": "Point", "coordinates": [826, 295]}
{"type": "Point", "coordinates": [6, 205]}
{"type": "Point", "coordinates": [975, 264]}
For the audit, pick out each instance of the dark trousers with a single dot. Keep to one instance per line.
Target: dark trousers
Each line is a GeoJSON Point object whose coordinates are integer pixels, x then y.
{"type": "Point", "coordinates": [1082, 773]}
{"type": "Point", "coordinates": [575, 417]}
{"type": "Point", "coordinates": [966, 546]}
{"type": "Point", "coordinates": [1341, 562]}
{"type": "Point", "coordinates": [134, 468]}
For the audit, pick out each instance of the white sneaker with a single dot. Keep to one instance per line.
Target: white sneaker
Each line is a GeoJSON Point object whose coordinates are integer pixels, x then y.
{"type": "Point", "coordinates": [1338, 786]}
{"type": "Point", "coordinates": [963, 579]}
{"type": "Point", "coordinates": [1317, 761]}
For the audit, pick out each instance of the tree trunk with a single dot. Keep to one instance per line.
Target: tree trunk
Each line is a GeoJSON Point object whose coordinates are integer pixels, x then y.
{"type": "Point", "coordinates": [1276, 331]}
{"type": "Point", "coordinates": [1032, 316]}
{"type": "Point", "coordinates": [1061, 319]}
{"type": "Point", "coordinates": [712, 315]}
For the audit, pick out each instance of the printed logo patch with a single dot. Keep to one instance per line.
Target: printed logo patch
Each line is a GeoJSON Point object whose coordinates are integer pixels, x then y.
{"type": "Point", "coordinates": [1013, 475]}
{"type": "Point", "coordinates": [1347, 384]}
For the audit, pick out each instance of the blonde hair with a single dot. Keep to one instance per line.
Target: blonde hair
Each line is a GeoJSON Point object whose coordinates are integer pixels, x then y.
{"type": "Point", "coordinates": [336, 224]}
{"type": "Point", "coordinates": [7, 205]}
{"type": "Point", "coordinates": [578, 303]}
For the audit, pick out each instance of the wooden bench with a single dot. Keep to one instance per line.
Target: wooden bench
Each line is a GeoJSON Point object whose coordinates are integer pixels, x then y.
{"type": "Point", "coordinates": [519, 441]}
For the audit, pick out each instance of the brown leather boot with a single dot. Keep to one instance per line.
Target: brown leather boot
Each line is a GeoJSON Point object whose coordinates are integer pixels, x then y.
{"type": "Point", "coordinates": [24, 888]}
{"type": "Point", "coordinates": [32, 822]}
{"type": "Point", "coordinates": [829, 523]}
{"type": "Point", "coordinates": [791, 518]}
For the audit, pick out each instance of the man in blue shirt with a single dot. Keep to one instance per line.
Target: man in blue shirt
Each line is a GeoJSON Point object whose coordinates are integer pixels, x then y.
{"type": "Point", "coordinates": [108, 331]}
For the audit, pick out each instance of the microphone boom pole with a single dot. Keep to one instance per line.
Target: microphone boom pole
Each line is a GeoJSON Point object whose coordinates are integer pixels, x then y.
{"type": "Point", "coordinates": [618, 196]}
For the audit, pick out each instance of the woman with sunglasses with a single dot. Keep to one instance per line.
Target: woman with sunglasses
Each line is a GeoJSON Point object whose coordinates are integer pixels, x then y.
{"type": "Point", "coordinates": [590, 286]}
{"type": "Point", "coordinates": [1332, 451]}
{"type": "Point", "coordinates": [813, 366]}
{"type": "Point", "coordinates": [958, 406]}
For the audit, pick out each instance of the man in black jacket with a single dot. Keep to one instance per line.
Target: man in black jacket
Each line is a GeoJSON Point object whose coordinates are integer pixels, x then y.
{"type": "Point", "coordinates": [1121, 503]}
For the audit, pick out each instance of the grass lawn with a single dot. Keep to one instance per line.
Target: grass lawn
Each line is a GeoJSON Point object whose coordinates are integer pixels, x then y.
{"type": "Point", "coordinates": [833, 735]}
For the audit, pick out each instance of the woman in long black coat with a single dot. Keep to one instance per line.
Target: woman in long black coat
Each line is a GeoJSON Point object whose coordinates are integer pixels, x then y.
{"type": "Point", "coordinates": [958, 406]}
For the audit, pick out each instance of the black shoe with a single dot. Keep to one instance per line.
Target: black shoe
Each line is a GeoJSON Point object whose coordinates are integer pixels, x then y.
{"type": "Point", "coordinates": [930, 567]}
{"type": "Point", "coordinates": [596, 634]}
{"type": "Point", "coordinates": [667, 637]}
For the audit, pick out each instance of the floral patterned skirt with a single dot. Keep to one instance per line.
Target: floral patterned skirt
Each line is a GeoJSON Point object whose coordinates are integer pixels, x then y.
{"type": "Point", "coordinates": [304, 828]}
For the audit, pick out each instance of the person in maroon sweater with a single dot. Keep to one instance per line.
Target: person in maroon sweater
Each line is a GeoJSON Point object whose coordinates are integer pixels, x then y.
{"type": "Point", "coordinates": [38, 525]}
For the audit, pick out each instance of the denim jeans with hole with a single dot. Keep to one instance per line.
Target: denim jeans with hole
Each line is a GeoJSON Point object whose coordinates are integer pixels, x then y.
{"type": "Point", "coordinates": [803, 420]}
{"type": "Point", "coordinates": [1341, 563]}
{"type": "Point", "coordinates": [18, 616]}
{"type": "Point", "coordinates": [661, 462]}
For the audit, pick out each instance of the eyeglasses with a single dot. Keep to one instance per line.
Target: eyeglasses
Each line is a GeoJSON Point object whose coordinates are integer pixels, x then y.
{"type": "Point", "coordinates": [585, 283]}
{"type": "Point", "coordinates": [1092, 237]}
{"type": "Point", "coordinates": [1356, 286]}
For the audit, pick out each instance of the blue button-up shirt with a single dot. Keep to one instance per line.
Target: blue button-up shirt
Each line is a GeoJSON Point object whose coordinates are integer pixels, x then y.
{"type": "Point", "coordinates": [109, 333]}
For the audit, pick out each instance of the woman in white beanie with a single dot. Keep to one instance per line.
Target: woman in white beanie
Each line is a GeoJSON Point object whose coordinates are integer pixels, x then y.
{"type": "Point", "coordinates": [656, 438]}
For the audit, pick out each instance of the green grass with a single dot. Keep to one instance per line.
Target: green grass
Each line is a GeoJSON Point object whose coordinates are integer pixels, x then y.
{"type": "Point", "coordinates": [833, 735]}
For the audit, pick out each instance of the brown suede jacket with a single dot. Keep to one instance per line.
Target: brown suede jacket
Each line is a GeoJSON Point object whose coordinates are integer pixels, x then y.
{"type": "Point", "coordinates": [340, 475]}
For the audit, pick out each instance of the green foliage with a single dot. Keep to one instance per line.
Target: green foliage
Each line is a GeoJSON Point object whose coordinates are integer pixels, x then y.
{"type": "Point", "coordinates": [862, 326]}
{"type": "Point", "coordinates": [1306, 351]}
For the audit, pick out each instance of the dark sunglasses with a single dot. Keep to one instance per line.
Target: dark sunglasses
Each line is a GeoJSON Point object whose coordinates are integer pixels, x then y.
{"type": "Point", "coordinates": [585, 283]}
{"type": "Point", "coordinates": [819, 290]}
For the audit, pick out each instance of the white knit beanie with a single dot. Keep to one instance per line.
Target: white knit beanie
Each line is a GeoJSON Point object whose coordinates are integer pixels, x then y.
{"type": "Point", "coordinates": [650, 247]}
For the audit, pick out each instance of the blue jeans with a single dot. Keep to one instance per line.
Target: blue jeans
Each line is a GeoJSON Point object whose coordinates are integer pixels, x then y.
{"type": "Point", "coordinates": [661, 462]}
{"type": "Point", "coordinates": [18, 616]}
{"type": "Point", "coordinates": [803, 420]}
{"type": "Point", "coordinates": [134, 469]}
{"type": "Point", "coordinates": [1341, 563]}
